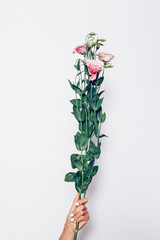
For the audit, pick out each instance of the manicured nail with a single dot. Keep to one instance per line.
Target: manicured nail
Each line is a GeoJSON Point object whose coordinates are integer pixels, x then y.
{"type": "Point", "coordinates": [71, 215]}
{"type": "Point", "coordinates": [77, 204]}
{"type": "Point", "coordinates": [72, 219]}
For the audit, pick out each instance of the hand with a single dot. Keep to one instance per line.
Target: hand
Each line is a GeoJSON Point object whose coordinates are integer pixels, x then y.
{"type": "Point", "coordinates": [77, 213]}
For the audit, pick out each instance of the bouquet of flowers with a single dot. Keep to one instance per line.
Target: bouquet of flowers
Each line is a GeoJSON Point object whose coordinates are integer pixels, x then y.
{"type": "Point", "coordinates": [87, 110]}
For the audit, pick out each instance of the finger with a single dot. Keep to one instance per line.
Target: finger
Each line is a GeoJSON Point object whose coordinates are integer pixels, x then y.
{"type": "Point", "coordinates": [78, 209]}
{"type": "Point", "coordinates": [74, 201]}
{"type": "Point", "coordinates": [83, 218]}
{"type": "Point", "coordinates": [79, 214]}
{"type": "Point", "coordinates": [81, 208]}
{"type": "Point", "coordinates": [82, 201]}
{"type": "Point", "coordinates": [82, 223]}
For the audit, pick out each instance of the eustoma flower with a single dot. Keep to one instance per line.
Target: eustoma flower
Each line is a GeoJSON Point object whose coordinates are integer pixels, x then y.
{"type": "Point", "coordinates": [81, 49]}
{"type": "Point", "coordinates": [105, 57]}
{"type": "Point", "coordinates": [93, 67]}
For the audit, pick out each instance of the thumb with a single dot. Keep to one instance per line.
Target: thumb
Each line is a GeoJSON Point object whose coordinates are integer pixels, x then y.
{"type": "Point", "coordinates": [74, 201]}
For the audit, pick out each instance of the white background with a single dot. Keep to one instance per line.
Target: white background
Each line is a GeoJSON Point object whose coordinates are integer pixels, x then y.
{"type": "Point", "coordinates": [37, 127]}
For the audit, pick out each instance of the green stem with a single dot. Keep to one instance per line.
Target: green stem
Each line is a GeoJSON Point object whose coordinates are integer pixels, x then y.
{"type": "Point", "coordinates": [86, 124]}
{"type": "Point", "coordinates": [81, 102]}
{"type": "Point", "coordinates": [91, 91]}
{"type": "Point", "coordinates": [99, 128]}
{"type": "Point", "coordinates": [76, 93]}
{"type": "Point", "coordinates": [82, 162]}
{"type": "Point", "coordinates": [96, 117]}
{"type": "Point", "coordinates": [77, 224]}
{"type": "Point", "coordinates": [103, 71]}
{"type": "Point", "coordinates": [76, 232]}
{"type": "Point", "coordinates": [95, 120]}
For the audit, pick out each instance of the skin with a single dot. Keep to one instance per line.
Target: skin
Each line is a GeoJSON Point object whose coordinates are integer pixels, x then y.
{"type": "Point", "coordinates": [81, 215]}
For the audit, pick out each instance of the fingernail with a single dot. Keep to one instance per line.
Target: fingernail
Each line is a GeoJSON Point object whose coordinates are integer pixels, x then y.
{"type": "Point", "coordinates": [71, 215]}
{"type": "Point", "coordinates": [72, 219]}
{"type": "Point", "coordinates": [77, 204]}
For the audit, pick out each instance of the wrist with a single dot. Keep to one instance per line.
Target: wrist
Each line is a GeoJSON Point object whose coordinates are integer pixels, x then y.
{"type": "Point", "coordinates": [67, 234]}
{"type": "Point", "coordinates": [68, 229]}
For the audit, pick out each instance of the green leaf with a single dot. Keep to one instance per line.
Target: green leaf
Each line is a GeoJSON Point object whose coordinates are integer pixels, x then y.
{"type": "Point", "coordinates": [91, 130]}
{"type": "Point", "coordinates": [76, 140]}
{"type": "Point", "coordinates": [78, 181]}
{"type": "Point", "coordinates": [98, 151]}
{"type": "Point", "coordinates": [91, 93]}
{"type": "Point", "coordinates": [84, 99]}
{"type": "Point", "coordinates": [75, 88]}
{"type": "Point", "coordinates": [92, 147]}
{"type": "Point", "coordinates": [95, 170]}
{"type": "Point", "coordinates": [103, 118]}
{"type": "Point", "coordinates": [78, 165]}
{"type": "Point", "coordinates": [75, 156]}
{"type": "Point", "coordinates": [81, 141]}
{"type": "Point", "coordinates": [96, 132]}
{"type": "Point", "coordinates": [102, 135]}
{"type": "Point", "coordinates": [70, 177]}
{"type": "Point", "coordinates": [76, 102]}
{"type": "Point", "coordinates": [86, 184]}
{"type": "Point", "coordinates": [88, 158]}
{"type": "Point", "coordinates": [75, 67]}
{"type": "Point", "coordinates": [81, 126]}
{"type": "Point", "coordinates": [85, 165]}
{"type": "Point", "coordinates": [93, 150]}
{"type": "Point", "coordinates": [77, 161]}
{"type": "Point", "coordinates": [99, 81]}
{"type": "Point", "coordinates": [78, 65]}
{"type": "Point", "coordinates": [85, 89]}
{"type": "Point", "coordinates": [96, 105]}
{"type": "Point", "coordinates": [89, 170]}
{"type": "Point", "coordinates": [99, 103]}
{"type": "Point", "coordinates": [91, 116]}
{"type": "Point", "coordinates": [99, 94]}
{"type": "Point", "coordinates": [78, 83]}
{"type": "Point", "coordinates": [77, 113]}
{"type": "Point", "coordinates": [99, 114]}
{"type": "Point", "coordinates": [83, 115]}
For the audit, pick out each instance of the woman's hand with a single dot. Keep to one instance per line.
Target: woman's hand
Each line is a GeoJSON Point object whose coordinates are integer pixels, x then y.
{"type": "Point", "coordinates": [78, 213]}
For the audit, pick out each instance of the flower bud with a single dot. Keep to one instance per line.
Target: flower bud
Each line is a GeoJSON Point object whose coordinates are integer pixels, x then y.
{"type": "Point", "coordinates": [105, 57]}
{"type": "Point", "coordinates": [89, 44]}
{"type": "Point", "coordinates": [108, 65]}
{"type": "Point", "coordinates": [94, 41]}
{"type": "Point", "coordinates": [102, 40]}
{"type": "Point", "coordinates": [92, 33]}
{"type": "Point", "coordinates": [98, 46]}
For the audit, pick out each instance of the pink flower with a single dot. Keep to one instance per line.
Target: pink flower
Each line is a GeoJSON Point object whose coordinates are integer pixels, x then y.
{"type": "Point", "coordinates": [81, 49]}
{"type": "Point", "coordinates": [93, 67]}
{"type": "Point", "coordinates": [105, 57]}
